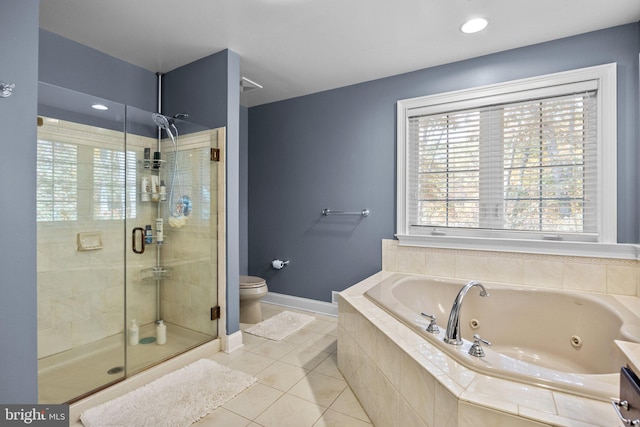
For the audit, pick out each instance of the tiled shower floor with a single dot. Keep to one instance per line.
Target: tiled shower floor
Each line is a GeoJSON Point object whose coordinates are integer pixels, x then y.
{"type": "Point", "coordinates": [64, 377]}
{"type": "Point", "coordinates": [299, 384]}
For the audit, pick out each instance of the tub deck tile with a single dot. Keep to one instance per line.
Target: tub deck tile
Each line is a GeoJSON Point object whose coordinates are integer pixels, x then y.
{"type": "Point", "coordinates": [585, 410]}
{"type": "Point", "coordinates": [459, 390]}
{"type": "Point", "coordinates": [499, 393]}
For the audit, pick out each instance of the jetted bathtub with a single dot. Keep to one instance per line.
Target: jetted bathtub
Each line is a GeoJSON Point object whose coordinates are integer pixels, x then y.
{"type": "Point", "coordinates": [557, 339]}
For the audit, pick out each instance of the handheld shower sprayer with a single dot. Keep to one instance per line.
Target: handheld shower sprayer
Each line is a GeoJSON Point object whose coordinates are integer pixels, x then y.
{"type": "Point", "coordinates": [163, 123]}
{"type": "Point", "coordinates": [183, 206]}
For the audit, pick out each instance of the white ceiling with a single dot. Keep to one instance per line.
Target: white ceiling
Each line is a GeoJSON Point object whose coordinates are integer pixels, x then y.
{"type": "Point", "coordinates": [298, 47]}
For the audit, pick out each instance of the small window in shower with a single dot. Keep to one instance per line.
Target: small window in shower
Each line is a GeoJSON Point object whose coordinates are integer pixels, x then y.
{"type": "Point", "coordinates": [57, 181]}
{"type": "Point", "coordinates": [114, 181]}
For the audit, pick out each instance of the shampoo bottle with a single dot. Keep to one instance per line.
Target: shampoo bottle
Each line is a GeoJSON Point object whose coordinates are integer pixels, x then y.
{"type": "Point", "coordinates": [145, 188]}
{"type": "Point", "coordinates": [148, 235]}
{"type": "Point", "coordinates": [161, 333]}
{"type": "Point", "coordinates": [159, 231]}
{"type": "Point", "coordinates": [147, 158]}
{"type": "Point", "coordinates": [155, 187]}
{"type": "Point", "coordinates": [134, 336]}
{"type": "Point", "coordinates": [163, 192]}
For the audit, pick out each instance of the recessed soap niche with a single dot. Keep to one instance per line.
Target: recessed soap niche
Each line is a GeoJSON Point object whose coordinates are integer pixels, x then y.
{"type": "Point", "coordinates": [89, 241]}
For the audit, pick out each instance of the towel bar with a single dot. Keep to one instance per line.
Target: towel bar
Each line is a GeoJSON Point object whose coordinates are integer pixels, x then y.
{"type": "Point", "coordinates": [327, 212]}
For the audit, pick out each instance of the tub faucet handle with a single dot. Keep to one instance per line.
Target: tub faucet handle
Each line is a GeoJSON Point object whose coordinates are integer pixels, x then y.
{"type": "Point", "coordinates": [476, 348]}
{"type": "Point", "coordinates": [432, 328]}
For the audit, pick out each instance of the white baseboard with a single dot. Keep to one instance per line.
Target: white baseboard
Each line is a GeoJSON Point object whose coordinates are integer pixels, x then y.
{"type": "Point", "coordinates": [299, 303]}
{"type": "Point", "coordinates": [233, 342]}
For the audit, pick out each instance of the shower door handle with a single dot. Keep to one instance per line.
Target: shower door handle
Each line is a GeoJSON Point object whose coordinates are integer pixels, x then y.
{"type": "Point", "coordinates": [134, 246]}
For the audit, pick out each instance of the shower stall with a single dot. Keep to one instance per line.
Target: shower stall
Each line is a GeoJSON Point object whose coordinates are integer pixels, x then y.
{"type": "Point", "coordinates": [128, 203]}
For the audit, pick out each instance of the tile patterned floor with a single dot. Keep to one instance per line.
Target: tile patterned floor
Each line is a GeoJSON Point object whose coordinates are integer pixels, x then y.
{"type": "Point", "coordinates": [299, 384]}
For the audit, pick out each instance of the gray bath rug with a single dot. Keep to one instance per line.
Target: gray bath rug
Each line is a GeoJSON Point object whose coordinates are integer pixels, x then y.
{"type": "Point", "coordinates": [281, 325]}
{"type": "Point", "coordinates": [177, 399]}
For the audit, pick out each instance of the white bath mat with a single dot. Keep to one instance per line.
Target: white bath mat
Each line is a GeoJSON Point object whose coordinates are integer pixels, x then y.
{"type": "Point", "coordinates": [281, 325]}
{"type": "Point", "coordinates": [174, 400]}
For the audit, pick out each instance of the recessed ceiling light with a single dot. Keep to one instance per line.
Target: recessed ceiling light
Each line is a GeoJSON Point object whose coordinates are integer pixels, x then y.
{"type": "Point", "coordinates": [474, 25]}
{"type": "Point", "coordinates": [100, 107]}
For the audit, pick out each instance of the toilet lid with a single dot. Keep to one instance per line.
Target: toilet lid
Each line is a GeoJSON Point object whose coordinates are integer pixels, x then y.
{"type": "Point", "coordinates": [249, 282]}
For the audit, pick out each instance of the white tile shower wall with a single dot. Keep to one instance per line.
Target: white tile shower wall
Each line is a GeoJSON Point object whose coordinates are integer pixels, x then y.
{"type": "Point", "coordinates": [192, 250]}
{"type": "Point", "coordinates": [602, 275]}
{"type": "Point", "coordinates": [81, 294]}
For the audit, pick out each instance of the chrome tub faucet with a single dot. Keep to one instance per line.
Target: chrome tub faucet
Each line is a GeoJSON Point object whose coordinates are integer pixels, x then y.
{"type": "Point", "coordinates": [452, 335]}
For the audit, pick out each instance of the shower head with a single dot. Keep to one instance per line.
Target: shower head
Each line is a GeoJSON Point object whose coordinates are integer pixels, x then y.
{"type": "Point", "coordinates": [162, 122]}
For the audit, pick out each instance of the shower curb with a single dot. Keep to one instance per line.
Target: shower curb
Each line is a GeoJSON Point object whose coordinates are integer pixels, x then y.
{"type": "Point", "coordinates": [142, 378]}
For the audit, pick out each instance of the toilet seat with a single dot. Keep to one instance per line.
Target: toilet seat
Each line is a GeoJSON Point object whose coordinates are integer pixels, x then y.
{"type": "Point", "coordinates": [251, 282]}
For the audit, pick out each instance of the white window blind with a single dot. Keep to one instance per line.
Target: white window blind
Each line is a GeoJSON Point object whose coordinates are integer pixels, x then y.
{"type": "Point", "coordinates": [114, 178]}
{"type": "Point", "coordinates": [57, 181]}
{"type": "Point", "coordinates": [513, 166]}
{"type": "Point", "coordinates": [519, 166]}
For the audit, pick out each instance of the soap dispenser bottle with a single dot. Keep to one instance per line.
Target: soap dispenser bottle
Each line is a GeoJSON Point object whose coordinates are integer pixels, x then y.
{"type": "Point", "coordinates": [134, 336]}
{"type": "Point", "coordinates": [161, 333]}
{"type": "Point", "coordinates": [163, 192]}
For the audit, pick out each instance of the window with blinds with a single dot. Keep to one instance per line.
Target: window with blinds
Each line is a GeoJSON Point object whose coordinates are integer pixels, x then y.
{"type": "Point", "coordinates": [510, 161]}
{"type": "Point", "coordinates": [57, 181]}
{"type": "Point", "coordinates": [114, 178]}
{"type": "Point", "coordinates": [111, 175]}
{"type": "Point", "coordinates": [526, 166]}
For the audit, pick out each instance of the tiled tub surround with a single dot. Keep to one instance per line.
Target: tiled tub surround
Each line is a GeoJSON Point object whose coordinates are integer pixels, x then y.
{"type": "Point", "coordinates": [563, 340]}
{"type": "Point", "coordinates": [401, 379]}
{"type": "Point", "coordinates": [601, 275]}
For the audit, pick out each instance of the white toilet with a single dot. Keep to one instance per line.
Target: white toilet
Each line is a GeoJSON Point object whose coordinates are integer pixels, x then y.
{"type": "Point", "coordinates": [252, 290]}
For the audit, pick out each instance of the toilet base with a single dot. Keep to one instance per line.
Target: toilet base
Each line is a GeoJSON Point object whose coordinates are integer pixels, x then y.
{"type": "Point", "coordinates": [250, 312]}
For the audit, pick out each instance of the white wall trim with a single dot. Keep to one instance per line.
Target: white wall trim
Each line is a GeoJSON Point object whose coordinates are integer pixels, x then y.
{"type": "Point", "coordinates": [306, 304]}
{"type": "Point", "coordinates": [233, 342]}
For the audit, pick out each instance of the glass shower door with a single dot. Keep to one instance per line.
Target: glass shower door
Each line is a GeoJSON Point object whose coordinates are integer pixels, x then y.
{"type": "Point", "coordinates": [172, 261]}
{"type": "Point", "coordinates": [104, 175]}
{"type": "Point", "coordinates": [81, 174]}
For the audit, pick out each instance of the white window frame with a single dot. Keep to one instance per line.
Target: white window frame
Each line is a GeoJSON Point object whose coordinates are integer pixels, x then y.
{"type": "Point", "coordinates": [605, 78]}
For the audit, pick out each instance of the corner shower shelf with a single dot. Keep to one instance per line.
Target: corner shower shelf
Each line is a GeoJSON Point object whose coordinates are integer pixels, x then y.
{"type": "Point", "coordinates": [140, 194]}
{"type": "Point", "coordinates": [156, 273]}
{"type": "Point", "coordinates": [148, 165]}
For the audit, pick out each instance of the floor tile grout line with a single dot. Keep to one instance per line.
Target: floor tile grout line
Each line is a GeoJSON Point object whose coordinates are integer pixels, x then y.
{"type": "Point", "coordinates": [304, 346]}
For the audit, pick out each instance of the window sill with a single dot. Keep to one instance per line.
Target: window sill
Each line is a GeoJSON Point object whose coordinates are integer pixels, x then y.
{"type": "Point", "coordinates": [599, 250]}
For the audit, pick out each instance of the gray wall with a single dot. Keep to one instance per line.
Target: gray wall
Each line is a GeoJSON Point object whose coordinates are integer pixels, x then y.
{"type": "Point", "coordinates": [19, 65]}
{"type": "Point", "coordinates": [208, 89]}
{"type": "Point", "coordinates": [336, 149]}
{"type": "Point", "coordinates": [74, 66]}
